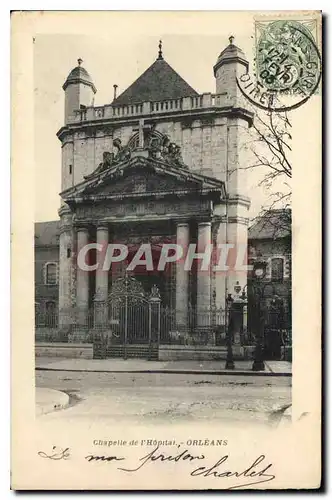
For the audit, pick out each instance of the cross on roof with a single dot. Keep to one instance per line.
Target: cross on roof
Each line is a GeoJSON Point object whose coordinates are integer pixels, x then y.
{"type": "Point", "coordinates": [160, 52]}
{"type": "Point", "coordinates": [142, 130]}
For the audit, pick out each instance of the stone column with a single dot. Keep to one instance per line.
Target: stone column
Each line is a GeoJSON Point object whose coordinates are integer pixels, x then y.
{"type": "Point", "coordinates": [182, 277]}
{"type": "Point", "coordinates": [82, 280]}
{"type": "Point", "coordinates": [203, 278]}
{"type": "Point", "coordinates": [101, 277]}
{"type": "Point", "coordinates": [65, 252]}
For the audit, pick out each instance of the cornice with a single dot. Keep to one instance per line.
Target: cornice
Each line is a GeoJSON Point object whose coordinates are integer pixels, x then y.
{"type": "Point", "coordinates": [152, 195]}
{"type": "Point", "coordinates": [237, 200]}
{"type": "Point", "coordinates": [230, 60]}
{"type": "Point", "coordinates": [79, 80]}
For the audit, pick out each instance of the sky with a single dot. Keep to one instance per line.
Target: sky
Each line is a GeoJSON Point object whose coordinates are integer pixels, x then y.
{"type": "Point", "coordinates": [119, 56]}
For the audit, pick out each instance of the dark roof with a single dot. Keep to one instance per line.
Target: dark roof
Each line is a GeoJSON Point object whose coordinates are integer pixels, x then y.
{"type": "Point", "coordinates": [273, 224]}
{"type": "Point", "coordinates": [229, 54]}
{"type": "Point", "coordinates": [47, 233]}
{"type": "Point", "coordinates": [231, 51]}
{"type": "Point", "coordinates": [159, 82]}
{"type": "Point", "coordinates": [79, 74]}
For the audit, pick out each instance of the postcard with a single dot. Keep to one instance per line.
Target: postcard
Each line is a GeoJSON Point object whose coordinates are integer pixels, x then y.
{"type": "Point", "coordinates": [166, 215]}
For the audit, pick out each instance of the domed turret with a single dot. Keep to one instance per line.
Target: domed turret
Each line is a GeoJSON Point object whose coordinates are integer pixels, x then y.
{"type": "Point", "coordinates": [79, 75]}
{"type": "Point", "coordinates": [79, 89]}
{"type": "Point", "coordinates": [231, 63]}
{"type": "Point", "coordinates": [230, 54]}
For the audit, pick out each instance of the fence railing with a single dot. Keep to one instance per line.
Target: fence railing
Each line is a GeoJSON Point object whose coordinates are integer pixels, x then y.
{"type": "Point", "coordinates": [168, 325]}
{"type": "Point", "coordinates": [46, 319]}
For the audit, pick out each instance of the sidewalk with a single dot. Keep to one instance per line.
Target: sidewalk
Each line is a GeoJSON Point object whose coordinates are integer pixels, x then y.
{"type": "Point", "coordinates": [48, 400]}
{"type": "Point", "coordinates": [114, 365]}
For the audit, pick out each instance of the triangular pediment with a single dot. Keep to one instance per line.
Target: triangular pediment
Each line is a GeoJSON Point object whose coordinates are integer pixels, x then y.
{"type": "Point", "coordinates": [142, 181]}
{"type": "Point", "coordinates": [139, 177]}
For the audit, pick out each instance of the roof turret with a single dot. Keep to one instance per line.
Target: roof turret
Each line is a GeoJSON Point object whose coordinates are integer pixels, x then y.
{"type": "Point", "coordinates": [230, 54]}
{"type": "Point", "coordinates": [79, 75]}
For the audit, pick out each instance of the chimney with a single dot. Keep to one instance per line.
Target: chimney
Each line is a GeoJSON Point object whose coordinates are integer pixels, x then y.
{"type": "Point", "coordinates": [115, 88]}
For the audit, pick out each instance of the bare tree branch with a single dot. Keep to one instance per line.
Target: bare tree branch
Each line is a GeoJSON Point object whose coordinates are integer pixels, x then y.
{"type": "Point", "coordinates": [269, 145]}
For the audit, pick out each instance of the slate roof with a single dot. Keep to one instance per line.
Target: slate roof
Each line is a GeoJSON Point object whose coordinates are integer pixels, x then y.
{"type": "Point", "coordinates": [159, 82]}
{"type": "Point", "coordinates": [274, 224]}
{"type": "Point", "coordinates": [47, 233]}
{"type": "Point", "coordinates": [230, 53]}
{"type": "Point", "coordinates": [79, 74]}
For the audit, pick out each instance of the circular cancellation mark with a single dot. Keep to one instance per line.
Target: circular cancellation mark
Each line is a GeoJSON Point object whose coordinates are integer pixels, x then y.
{"type": "Point", "coordinates": [288, 66]}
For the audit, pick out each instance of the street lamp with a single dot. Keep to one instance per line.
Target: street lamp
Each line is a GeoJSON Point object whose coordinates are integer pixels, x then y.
{"type": "Point", "coordinates": [259, 271]}
{"type": "Point", "coordinates": [235, 314]}
{"type": "Point", "coordinates": [229, 360]}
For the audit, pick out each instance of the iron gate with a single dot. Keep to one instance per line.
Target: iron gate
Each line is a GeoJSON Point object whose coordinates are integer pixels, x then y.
{"type": "Point", "coordinates": [128, 325]}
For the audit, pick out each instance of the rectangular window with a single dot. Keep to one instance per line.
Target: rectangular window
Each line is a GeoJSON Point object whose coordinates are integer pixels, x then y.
{"type": "Point", "coordinates": [51, 274]}
{"type": "Point", "coordinates": [277, 269]}
{"type": "Point", "coordinates": [70, 169]}
{"type": "Point", "coordinates": [68, 253]}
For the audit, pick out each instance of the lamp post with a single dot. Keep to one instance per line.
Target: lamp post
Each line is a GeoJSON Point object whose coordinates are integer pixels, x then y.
{"type": "Point", "coordinates": [259, 271]}
{"type": "Point", "coordinates": [235, 315]}
{"type": "Point", "coordinates": [229, 360]}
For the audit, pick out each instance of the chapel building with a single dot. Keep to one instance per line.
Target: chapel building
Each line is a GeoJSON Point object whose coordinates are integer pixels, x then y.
{"type": "Point", "coordinates": [160, 164]}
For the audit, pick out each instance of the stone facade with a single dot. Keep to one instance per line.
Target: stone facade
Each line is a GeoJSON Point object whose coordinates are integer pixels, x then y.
{"type": "Point", "coordinates": [159, 154]}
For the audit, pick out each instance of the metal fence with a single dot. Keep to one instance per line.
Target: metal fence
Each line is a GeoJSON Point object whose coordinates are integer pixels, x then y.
{"type": "Point", "coordinates": [146, 323]}
{"type": "Point", "coordinates": [201, 326]}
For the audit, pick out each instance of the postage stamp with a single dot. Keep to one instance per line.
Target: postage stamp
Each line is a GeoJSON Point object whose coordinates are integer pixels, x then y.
{"type": "Point", "coordinates": [288, 65]}
{"type": "Point", "coordinates": [287, 57]}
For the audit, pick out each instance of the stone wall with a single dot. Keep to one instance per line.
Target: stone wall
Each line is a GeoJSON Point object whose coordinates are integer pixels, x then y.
{"type": "Point", "coordinates": [178, 352]}
{"type": "Point", "coordinates": [207, 146]}
{"type": "Point", "coordinates": [64, 350]}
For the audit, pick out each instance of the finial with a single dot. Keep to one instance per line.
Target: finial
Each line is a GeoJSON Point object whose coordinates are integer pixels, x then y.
{"type": "Point", "coordinates": [160, 53]}
{"type": "Point", "coordinates": [231, 39]}
{"type": "Point", "coordinates": [79, 60]}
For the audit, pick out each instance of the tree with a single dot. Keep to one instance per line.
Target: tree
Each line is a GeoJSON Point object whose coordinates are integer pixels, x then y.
{"type": "Point", "coordinates": [269, 148]}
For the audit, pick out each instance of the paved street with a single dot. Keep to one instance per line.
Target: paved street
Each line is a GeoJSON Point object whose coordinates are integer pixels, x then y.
{"type": "Point", "coordinates": [161, 397]}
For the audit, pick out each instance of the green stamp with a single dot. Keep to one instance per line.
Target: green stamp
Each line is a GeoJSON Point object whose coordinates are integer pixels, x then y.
{"type": "Point", "coordinates": [287, 58]}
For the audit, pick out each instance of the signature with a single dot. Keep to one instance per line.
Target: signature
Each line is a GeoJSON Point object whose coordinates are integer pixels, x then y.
{"type": "Point", "coordinates": [256, 470]}
{"type": "Point", "coordinates": [259, 471]}
{"type": "Point", "coordinates": [56, 454]}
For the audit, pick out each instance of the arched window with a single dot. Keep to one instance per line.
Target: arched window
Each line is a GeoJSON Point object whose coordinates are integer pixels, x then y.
{"type": "Point", "coordinates": [51, 273]}
{"type": "Point", "coordinates": [50, 306]}
{"type": "Point", "coordinates": [277, 269]}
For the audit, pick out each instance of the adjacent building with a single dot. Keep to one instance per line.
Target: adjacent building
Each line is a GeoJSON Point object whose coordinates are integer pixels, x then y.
{"type": "Point", "coordinates": [270, 238]}
{"type": "Point", "coordinates": [47, 273]}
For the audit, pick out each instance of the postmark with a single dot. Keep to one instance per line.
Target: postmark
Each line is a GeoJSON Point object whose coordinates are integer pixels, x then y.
{"type": "Point", "coordinates": [288, 66]}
